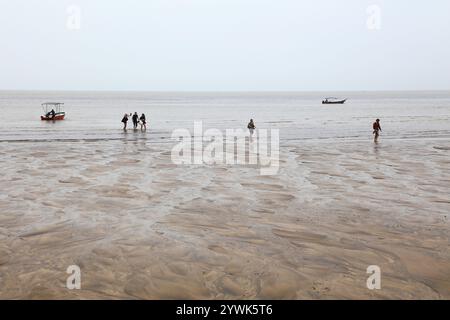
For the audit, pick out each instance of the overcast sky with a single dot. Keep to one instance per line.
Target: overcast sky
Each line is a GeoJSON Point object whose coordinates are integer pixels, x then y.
{"type": "Point", "coordinates": [225, 45]}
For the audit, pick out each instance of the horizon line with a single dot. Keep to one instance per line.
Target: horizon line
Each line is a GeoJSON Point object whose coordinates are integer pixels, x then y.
{"type": "Point", "coordinates": [221, 91]}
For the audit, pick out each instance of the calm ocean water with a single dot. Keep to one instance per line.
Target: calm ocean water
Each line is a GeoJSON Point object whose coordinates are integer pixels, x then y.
{"type": "Point", "coordinates": [299, 116]}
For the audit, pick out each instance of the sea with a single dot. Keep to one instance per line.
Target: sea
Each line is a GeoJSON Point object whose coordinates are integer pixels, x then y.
{"type": "Point", "coordinates": [298, 115]}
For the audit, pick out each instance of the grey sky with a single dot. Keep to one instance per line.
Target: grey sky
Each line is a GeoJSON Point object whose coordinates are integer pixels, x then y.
{"type": "Point", "coordinates": [224, 45]}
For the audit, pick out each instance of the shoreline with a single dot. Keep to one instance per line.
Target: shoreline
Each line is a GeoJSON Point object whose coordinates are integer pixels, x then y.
{"type": "Point", "coordinates": [283, 142]}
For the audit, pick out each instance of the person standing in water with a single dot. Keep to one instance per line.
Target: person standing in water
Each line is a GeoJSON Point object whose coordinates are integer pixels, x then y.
{"type": "Point", "coordinates": [125, 120]}
{"type": "Point", "coordinates": [251, 127]}
{"type": "Point", "coordinates": [143, 123]}
{"type": "Point", "coordinates": [135, 120]}
{"type": "Point", "coordinates": [376, 129]}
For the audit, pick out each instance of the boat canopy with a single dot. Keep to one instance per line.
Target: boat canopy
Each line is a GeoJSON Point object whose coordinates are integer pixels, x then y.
{"type": "Point", "coordinates": [52, 105]}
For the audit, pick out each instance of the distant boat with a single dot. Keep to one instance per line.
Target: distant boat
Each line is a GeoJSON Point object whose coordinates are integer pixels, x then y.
{"type": "Point", "coordinates": [53, 111]}
{"type": "Point", "coordinates": [333, 101]}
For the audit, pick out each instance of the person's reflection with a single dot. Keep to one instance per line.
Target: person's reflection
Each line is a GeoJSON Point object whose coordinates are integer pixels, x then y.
{"type": "Point", "coordinates": [376, 148]}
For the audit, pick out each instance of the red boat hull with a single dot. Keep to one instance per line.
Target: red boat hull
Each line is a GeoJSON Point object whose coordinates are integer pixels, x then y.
{"type": "Point", "coordinates": [56, 117]}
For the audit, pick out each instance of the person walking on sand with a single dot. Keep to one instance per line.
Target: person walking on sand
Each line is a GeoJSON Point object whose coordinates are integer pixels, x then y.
{"type": "Point", "coordinates": [251, 127]}
{"type": "Point", "coordinates": [143, 123]}
{"type": "Point", "coordinates": [135, 120]}
{"type": "Point", "coordinates": [125, 120]}
{"type": "Point", "coordinates": [376, 130]}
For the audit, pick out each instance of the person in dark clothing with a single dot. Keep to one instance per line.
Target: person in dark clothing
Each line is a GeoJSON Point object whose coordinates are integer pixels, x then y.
{"type": "Point", "coordinates": [251, 126]}
{"type": "Point", "coordinates": [51, 114]}
{"type": "Point", "coordinates": [135, 119]}
{"type": "Point", "coordinates": [143, 122]}
{"type": "Point", "coordinates": [125, 120]}
{"type": "Point", "coordinates": [376, 129]}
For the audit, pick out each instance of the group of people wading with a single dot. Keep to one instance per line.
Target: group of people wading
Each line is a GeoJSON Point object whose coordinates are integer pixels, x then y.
{"type": "Point", "coordinates": [136, 121]}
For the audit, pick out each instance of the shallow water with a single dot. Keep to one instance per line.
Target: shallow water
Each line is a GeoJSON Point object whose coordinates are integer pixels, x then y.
{"type": "Point", "coordinates": [298, 115]}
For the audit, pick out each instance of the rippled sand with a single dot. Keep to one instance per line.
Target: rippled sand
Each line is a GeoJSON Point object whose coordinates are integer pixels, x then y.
{"type": "Point", "coordinates": [141, 227]}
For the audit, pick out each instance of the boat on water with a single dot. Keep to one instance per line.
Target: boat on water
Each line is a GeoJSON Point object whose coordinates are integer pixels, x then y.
{"type": "Point", "coordinates": [333, 101]}
{"type": "Point", "coordinates": [53, 111]}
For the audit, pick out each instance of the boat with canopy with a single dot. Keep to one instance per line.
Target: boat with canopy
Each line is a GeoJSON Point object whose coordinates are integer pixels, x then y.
{"type": "Point", "coordinates": [53, 111]}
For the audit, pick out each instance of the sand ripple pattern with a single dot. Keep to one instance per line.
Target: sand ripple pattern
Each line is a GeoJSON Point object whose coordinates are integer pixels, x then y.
{"type": "Point", "coordinates": [142, 228]}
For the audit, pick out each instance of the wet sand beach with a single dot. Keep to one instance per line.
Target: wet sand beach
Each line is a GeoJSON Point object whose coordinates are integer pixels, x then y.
{"type": "Point", "coordinates": [226, 151]}
{"type": "Point", "coordinates": [140, 227]}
